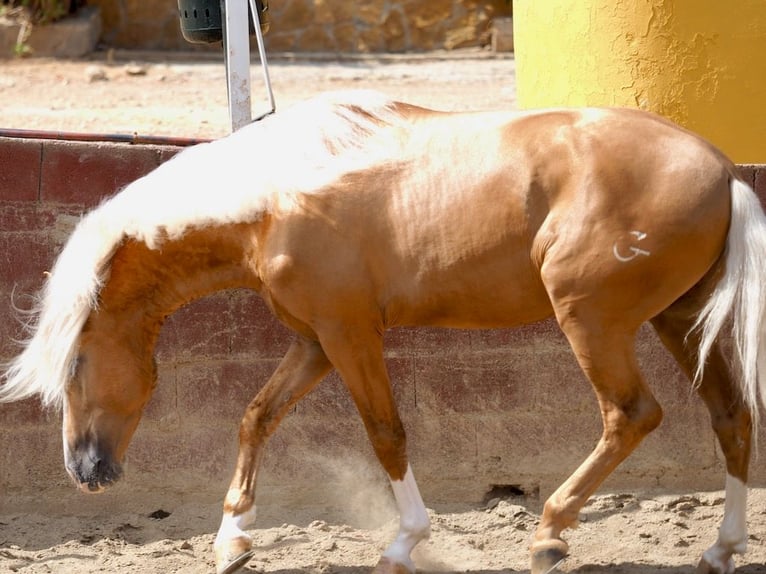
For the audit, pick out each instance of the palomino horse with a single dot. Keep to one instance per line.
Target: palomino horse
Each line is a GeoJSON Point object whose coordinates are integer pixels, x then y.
{"type": "Point", "coordinates": [350, 214]}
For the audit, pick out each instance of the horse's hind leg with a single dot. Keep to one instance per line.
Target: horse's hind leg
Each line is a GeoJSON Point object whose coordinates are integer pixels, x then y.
{"type": "Point", "coordinates": [359, 360]}
{"type": "Point", "coordinates": [301, 369]}
{"type": "Point", "coordinates": [629, 412]}
{"type": "Point", "coordinates": [731, 422]}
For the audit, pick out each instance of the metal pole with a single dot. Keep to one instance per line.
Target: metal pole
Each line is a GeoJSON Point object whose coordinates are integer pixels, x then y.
{"type": "Point", "coordinates": [262, 55]}
{"type": "Point", "coordinates": [237, 57]}
{"type": "Point", "coordinates": [236, 44]}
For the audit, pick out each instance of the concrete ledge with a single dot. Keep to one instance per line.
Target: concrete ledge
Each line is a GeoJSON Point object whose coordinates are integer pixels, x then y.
{"type": "Point", "coordinates": [502, 35]}
{"type": "Point", "coordinates": [72, 37]}
{"type": "Point", "coordinates": [481, 408]}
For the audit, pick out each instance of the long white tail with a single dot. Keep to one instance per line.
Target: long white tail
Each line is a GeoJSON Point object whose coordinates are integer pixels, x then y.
{"type": "Point", "coordinates": [739, 299]}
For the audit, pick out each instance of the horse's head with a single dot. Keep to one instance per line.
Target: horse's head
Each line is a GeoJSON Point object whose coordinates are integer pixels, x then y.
{"type": "Point", "coordinates": [112, 379]}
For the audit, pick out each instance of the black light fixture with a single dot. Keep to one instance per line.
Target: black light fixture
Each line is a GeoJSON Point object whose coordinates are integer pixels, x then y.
{"type": "Point", "coordinates": [202, 20]}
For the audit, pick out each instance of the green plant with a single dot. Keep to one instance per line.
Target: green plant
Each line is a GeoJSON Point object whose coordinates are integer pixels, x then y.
{"type": "Point", "coordinates": [34, 12]}
{"type": "Point", "coordinates": [21, 48]}
{"type": "Point", "coordinates": [42, 11]}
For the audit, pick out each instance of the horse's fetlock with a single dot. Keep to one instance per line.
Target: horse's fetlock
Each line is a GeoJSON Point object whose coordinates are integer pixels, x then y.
{"type": "Point", "coordinates": [558, 511]}
{"type": "Point", "coordinates": [240, 504]}
{"type": "Point", "coordinates": [733, 543]}
{"type": "Point", "coordinates": [419, 529]}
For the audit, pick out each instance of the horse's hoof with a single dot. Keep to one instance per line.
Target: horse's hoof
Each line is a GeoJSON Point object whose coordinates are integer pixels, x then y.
{"type": "Point", "coordinates": [546, 560]}
{"type": "Point", "coordinates": [234, 565]}
{"type": "Point", "coordinates": [232, 555]}
{"type": "Point", "coordinates": [705, 567]}
{"type": "Point", "coordinates": [388, 566]}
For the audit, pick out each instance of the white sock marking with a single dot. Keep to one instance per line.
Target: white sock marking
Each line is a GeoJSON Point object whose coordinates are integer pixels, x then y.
{"type": "Point", "coordinates": [233, 527]}
{"type": "Point", "coordinates": [732, 536]}
{"type": "Point", "coordinates": [414, 524]}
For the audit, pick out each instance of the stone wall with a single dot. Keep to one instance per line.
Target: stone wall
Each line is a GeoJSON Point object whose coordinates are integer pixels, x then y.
{"type": "Point", "coordinates": [321, 25]}
{"type": "Point", "coordinates": [481, 408]}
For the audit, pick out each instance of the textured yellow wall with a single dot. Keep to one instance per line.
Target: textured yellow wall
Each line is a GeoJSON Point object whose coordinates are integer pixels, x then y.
{"type": "Point", "coordinates": [702, 63]}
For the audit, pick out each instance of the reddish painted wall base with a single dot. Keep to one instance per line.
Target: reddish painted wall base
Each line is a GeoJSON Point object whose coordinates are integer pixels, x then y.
{"type": "Point", "coordinates": [482, 408]}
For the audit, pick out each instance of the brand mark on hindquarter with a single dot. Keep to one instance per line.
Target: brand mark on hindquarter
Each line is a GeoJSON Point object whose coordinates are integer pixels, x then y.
{"type": "Point", "coordinates": [627, 253]}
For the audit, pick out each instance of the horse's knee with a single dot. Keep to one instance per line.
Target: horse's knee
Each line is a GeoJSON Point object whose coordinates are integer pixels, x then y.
{"type": "Point", "coordinates": [260, 420]}
{"type": "Point", "coordinates": [390, 444]}
{"type": "Point", "coordinates": [627, 423]}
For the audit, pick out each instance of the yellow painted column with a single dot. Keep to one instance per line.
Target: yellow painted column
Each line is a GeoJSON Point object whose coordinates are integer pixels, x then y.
{"type": "Point", "coordinates": [701, 63]}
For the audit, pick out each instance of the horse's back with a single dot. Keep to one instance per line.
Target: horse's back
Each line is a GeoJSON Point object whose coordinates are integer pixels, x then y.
{"type": "Point", "coordinates": [479, 220]}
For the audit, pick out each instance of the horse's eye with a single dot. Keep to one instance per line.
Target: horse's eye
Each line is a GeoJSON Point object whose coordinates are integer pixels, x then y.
{"type": "Point", "coordinates": [76, 366]}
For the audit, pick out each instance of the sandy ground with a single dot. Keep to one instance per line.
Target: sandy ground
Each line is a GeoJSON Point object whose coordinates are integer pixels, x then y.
{"type": "Point", "coordinates": [619, 533]}
{"type": "Point", "coordinates": [157, 95]}
{"type": "Point", "coordinates": [151, 94]}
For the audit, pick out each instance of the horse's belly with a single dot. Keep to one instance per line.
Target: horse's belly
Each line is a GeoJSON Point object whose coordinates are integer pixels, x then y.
{"type": "Point", "coordinates": [477, 302]}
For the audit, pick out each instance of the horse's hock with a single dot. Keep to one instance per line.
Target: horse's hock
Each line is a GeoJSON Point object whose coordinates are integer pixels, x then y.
{"type": "Point", "coordinates": [486, 412]}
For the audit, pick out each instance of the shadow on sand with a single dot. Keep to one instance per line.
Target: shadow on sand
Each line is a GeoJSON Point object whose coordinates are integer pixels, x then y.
{"type": "Point", "coordinates": [624, 568]}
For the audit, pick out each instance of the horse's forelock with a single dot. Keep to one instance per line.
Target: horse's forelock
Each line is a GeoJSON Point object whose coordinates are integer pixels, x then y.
{"type": "Point", "coordinates": [55, 321]}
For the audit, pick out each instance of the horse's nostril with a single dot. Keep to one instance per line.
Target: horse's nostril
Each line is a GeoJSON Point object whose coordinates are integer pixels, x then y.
{"type": "Point", "coordinates": [104, 472]}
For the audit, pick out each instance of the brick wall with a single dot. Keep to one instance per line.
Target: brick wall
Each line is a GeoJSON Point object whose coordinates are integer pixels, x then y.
{"type": "Point", "coordinates": [482, 408]}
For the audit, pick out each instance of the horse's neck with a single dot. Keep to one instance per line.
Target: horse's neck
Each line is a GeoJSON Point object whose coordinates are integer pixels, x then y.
{"type": "Point", "coordinates": [146, 285]}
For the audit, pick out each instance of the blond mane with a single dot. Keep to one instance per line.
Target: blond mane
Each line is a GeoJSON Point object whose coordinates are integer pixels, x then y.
{"type": "Point", "coordinates": [231, 180]}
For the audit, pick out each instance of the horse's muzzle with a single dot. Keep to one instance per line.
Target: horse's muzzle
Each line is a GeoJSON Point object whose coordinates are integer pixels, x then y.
{"type": "Point", "coordinates": [91, 470]}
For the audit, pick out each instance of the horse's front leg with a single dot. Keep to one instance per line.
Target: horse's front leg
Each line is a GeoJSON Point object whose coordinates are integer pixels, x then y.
{"type": "Point", "coordinates": [359, 360]}
{"type": "Point", "coordinates": [301, 369]}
